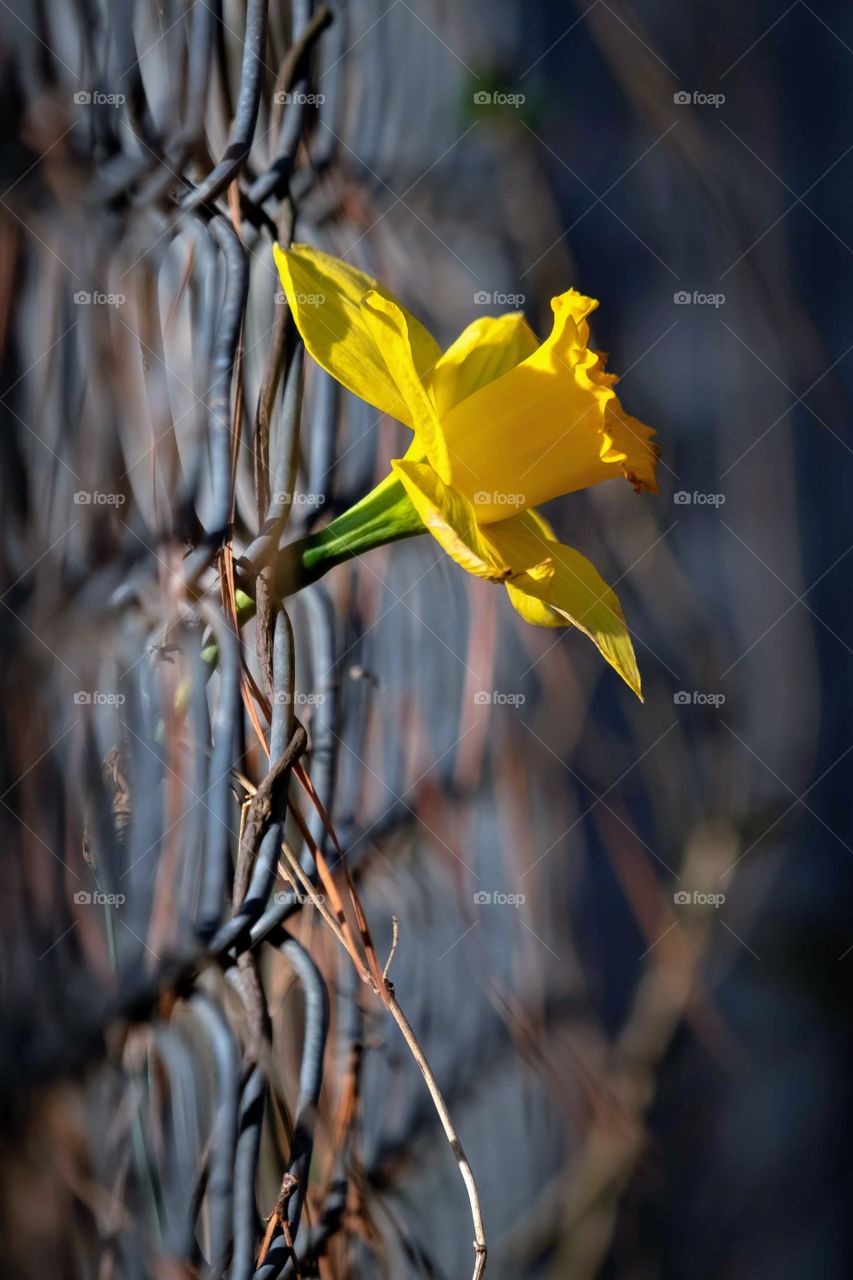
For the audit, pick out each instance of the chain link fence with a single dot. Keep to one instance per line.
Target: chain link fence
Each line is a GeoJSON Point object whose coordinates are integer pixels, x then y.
{"type": "Point", "coordinates": [195, 1079]}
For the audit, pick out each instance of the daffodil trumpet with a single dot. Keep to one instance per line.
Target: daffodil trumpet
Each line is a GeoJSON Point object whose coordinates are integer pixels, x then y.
{"type": "Point", "coordinates": [500, 422]}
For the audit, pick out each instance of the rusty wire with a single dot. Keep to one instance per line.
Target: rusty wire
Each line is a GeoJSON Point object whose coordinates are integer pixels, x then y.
{"type": "Point", "coordinates": [179, 1029]}
{"type": "Point", "coordinates": [151, 169]}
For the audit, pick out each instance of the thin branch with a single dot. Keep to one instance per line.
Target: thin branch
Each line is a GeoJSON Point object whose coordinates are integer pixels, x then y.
{"type": "Point", "coordinates": [386, 994]}
{"type": "Point", "coordinates": [447, 1124]}
{"type": "Point", "coordinates": [395, 938]}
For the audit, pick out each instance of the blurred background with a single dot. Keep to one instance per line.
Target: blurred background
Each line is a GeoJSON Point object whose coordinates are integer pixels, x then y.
{"type": "Point", "coordinates": [625, 933]}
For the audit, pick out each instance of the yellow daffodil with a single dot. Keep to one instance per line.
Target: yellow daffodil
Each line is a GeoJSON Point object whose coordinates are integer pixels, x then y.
{"type": "Point", "coordinates": [500, 423]}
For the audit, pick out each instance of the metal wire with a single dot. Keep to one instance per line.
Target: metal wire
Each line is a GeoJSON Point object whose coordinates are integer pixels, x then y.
{"type": "Point", "coordinates": [160, 1072]}
{"type": "Point", "coordinates": [156, 673]}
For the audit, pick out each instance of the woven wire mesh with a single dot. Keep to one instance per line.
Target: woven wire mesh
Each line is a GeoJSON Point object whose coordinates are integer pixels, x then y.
{"type": "Point", "coordinates": [185, 1041]}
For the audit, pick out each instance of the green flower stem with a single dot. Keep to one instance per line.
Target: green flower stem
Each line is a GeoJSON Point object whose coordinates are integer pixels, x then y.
{"type": "Point", "coordinates": [385, 515]}
{"type": "Point", "coordinates": [245, 611]}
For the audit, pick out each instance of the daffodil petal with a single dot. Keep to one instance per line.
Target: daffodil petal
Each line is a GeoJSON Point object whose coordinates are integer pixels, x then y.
{"type": "Point", "coordinates": [535, 520]}
{"type": "Point", "coordinates": [485, 350]}
{"type": "Point", "coordinates": [581, 595]}
{"type": "Point", "coordinates": [532, 609]}
{"type": "Point", "coordinates": [388, 324]}
{"type": "Point", "coordinates": [451, 520]}
{"type": "Point", "coordinates": [574, 592]}
{"type": "Point", "coordinates": [531, 526]}
{"type": "Point", "coordinates": [325, 297]}
{"type": "Point", "coordinates": [522, 541]}
{"type": "Point", "coordinates": [628, 443]}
